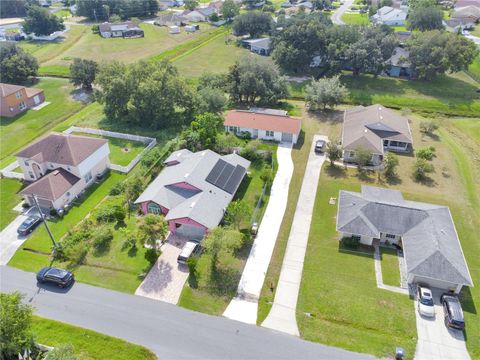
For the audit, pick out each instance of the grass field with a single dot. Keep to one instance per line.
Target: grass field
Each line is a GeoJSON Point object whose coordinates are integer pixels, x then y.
{"type": "Point", "coordinates": [8, 200]}
{"type": "Point", "coordinates": [18, 131]}
{"type": "Point", "coordinates": [88, 344]}
{"type": "Point", "coordinates": [355, 19]}
{"type": "Point", "coordinates": [474, 69]}
{"type": "Point", "coordinates": [214, 57]}
{"type": "Point", "coordinates": [390, 266]}
{"type": "Point", "coordinates": [122, 151]}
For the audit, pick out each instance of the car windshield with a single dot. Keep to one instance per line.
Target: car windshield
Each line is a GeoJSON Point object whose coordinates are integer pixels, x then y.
{"type": "Point", "coordinates": [58, 273]}
{"type": "Point", "coordinates": [28, 222]}
{"type": "Point", "coordinates": [426, 301]}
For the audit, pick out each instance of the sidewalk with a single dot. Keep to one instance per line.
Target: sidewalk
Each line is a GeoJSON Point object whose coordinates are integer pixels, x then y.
{"type": "Point", "coordinates": [244, 306]}
{"type": "Point", "coordinates": [10, 241]}
{"type": "Point", "coordinates": [282, 316]}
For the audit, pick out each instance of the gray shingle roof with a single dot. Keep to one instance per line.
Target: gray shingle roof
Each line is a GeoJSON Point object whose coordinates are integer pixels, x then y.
{"type": "Point", "coordinates": [206, 203]}
{"type": "Point", "coordinates": [430, 241]}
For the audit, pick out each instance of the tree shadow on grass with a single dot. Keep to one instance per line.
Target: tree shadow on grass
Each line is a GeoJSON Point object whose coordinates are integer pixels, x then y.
{"type": "Point", "coordinates": [336, 172]}
{"type": "Point", "coordinates": [426, 180]}
{"type": "Point", "coordinates": [466, 299]}
{"type": "Point", "coordinates": [223, 281]}
{"type": "Point", "coordinates": [366, 176]}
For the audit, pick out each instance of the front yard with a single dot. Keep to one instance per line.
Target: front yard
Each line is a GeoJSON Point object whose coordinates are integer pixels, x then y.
{"type": "Point", "coordinates": [390, 266]}
{"type": "Point", "coordinates": [8, 200]}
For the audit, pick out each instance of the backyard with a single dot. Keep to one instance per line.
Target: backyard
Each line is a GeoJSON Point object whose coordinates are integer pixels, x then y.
{"type": "Point", "coordinates": [355, 19]}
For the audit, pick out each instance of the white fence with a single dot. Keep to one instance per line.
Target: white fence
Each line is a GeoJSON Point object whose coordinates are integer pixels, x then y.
{"type": "Point", "coordinates": [149, 142]}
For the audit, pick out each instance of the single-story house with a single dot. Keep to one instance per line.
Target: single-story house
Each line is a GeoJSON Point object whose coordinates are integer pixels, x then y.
{"type": "Point", "coordinates": [15, 99]}
{"type": "Point", "coordinates": [374, 128]}
{"type": "Point", "coordinates": [60, 167]}
{"type": "Point", "coordinates": [126, 29]}
{"type": "Point", "coordinates": [201, 14]}
{"type": "Point", "coordinates": [266, 124]}
{"type": "Point", "coordinates": [426, 232]}
{"type": "Point", "coordinates": [468, 13]}
{"type": "Point", "coordinates": [261, 46]}
{"type": "Point", "coordinates": [390, 16]}
{"type": "Point", "coordinates": [402, 37]}
{"type": "Point", "coordinates": [194, 190]}
{"type": "Point", "coordinates": [170, 19]}
{"type": "Point", "coordinates": [459, 24]}
{"type": "Point", "coordinates": [399, 64]}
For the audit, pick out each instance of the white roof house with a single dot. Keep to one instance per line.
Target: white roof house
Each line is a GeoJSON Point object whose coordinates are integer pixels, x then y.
{"type": "Point", "coordinates": [390, 16]}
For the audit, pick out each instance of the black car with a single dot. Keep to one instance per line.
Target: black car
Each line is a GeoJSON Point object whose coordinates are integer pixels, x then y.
{"type": "Point", "coordinates": [62, 278]}
{"type": "Point", "coordinates": [29, 225]}
{"type": "Point", "coordinates": [320, 146]}
{"type": "Point", "coordinates": [453, 311]}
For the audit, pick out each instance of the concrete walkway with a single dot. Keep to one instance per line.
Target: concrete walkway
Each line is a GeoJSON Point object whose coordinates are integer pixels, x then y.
{"type": "Point", "coordinates": [379, 277]}
{"type": "Point", "coordinates": [10, 241]}
{"type": "Point", "coordinates": [166, 278]}
{"type": "Point", "coordinates": [8, 172]}
{"type": "Point", "coordinates": [337, 14]}
{"type": "Point", "coordinates": [245, 305]}
{"type": "Point", "coordinates": [282, 316]}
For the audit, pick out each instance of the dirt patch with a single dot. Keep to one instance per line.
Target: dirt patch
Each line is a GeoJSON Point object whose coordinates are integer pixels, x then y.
{"type": "Point", "coordinates": [126, 150]}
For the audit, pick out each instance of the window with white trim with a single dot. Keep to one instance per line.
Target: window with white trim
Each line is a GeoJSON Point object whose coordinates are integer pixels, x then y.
{"type": "Point", "coordinates": [390, 236]}
{"type": "Point", "coordinates": [18, 94]}
{"type": "Point", "coordinates": [269, 133]}
{"type": "Point", "coordinates": [88, 177]}
{"type": "Point", "coordinates": [154, 208]}
{"type": "Point", "coordinates": [22, 105]}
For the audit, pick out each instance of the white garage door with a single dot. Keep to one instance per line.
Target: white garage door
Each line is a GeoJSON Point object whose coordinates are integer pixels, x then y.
{"type": "Point", "coordinates": [434, 283]}
{"type": "Point", "coordinates": [286, 137]}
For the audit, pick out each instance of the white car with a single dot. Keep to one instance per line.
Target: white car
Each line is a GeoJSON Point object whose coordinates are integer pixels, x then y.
{"type": "Point", "coordinates": [425, 301]}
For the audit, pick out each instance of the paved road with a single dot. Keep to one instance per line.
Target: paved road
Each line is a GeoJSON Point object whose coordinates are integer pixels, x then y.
{"type": "Point", "coordinates": [435, 340]}
{"type": "Point", "coordinates": [170, 331]}
{"type": "Point", "coordinates": [337, 14]}
{"type": "Point", "coordinates": [282, 316]}
{"type": "Point", "coordinates": [244, 306]}
{"type": "Point", "coordinates": [10, 241]}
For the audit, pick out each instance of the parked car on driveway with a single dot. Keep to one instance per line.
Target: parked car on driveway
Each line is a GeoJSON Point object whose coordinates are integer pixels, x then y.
{"type": "Point", "coordinates": [28, 225]}
{"type": "Point", "coordinates": [190, 248]}
{"type": "Point", "coordinates": [59, 277]}
{"type": "Point", "coordinates": [425, 301]}
{"type": "Point", "coordinates": [320, 146]}
{"type": "Point", "coordinates": [453, 311]}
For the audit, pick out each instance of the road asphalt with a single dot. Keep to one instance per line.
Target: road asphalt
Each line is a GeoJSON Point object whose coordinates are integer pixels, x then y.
{"type": "Point", "coordinates": [169, 331]}
{"type": "Point", "coordinates": [337, 14]}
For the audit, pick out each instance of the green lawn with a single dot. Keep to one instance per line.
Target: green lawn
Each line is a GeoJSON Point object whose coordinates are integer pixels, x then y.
{"type": "Point", "coordinates": [63, 13]}
{"type": "Point", "coordinates": [122, 151]}
{"type": "Point", "coordinates": [356, 19]}
{"type": "Point", "coordinates": [390, 266]}
{"type": "Point", "coordinates": [469, 126]}
{"type": "Point", "coordinates": [214, 57]}
{"type": "Point", "coordinates": [18, 131]}
{"type": "Point", "coordinates": [214, 292]}
{"type": "Point", "coordinates": [476, 31]}
{"type": "Point", "coordinates": [88, 344]}
{"type": "Point", "coordinates": [8, 200]}
{"type": "Point", "coordinates": [474, 69]}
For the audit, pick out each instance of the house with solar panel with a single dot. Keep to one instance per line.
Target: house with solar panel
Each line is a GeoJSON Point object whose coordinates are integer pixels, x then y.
{"type": "Point", "coordinates": [376, 129]}
{"type": "Point", "coordinates": [194, 190]}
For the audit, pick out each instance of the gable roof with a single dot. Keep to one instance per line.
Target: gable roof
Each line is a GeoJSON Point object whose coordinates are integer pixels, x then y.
{"type": "Point", "coordinates": [388, 13]}
{"type": "Point", "coordinates": [368, 126]}
{"type": "Point", "coordinates": [471, 12]}
{"type": "Point", "coordinates": [430, 241]}
{"type": "Point", "coordinates": [207, 197]}
{"type": "Point", "coordinates": [263, 121]}
{"type": "Point", "coordinates": [8, 89]}
{"type": "Point", "coordinates": [52, 186]}
{"type": "Point", "coordinates": [400, 57]}
{"type": "Point", "coordinates": [62, 149]}
{"type": "Point", "coordinates": [106, 26]}
{"type": "Point", "coordinates": [263, 43]}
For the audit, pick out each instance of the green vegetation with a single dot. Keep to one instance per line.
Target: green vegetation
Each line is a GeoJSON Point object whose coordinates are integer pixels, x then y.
{"type": "Point", "coordinates": [22, 129]}
{"type": "Point", "coordinates": [8, 200]}
{"type": "Point", "coordinates": [63, 13]}
{"type": "Point", "coordinates": [122, 151]}
{"type": "Point", "coordinates": [356, 19]}
{"type": "Point", "coordinates": [474, 69]}
{"type": "Point", "coordinates": [390, 266]}
{"type": "Point", "coordinates": [87, 343]}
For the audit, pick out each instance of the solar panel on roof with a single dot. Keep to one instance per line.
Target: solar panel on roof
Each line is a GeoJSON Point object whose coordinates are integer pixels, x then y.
{"type": "Point", "coordinates": [225, 175]}
{"type": "Point", "coordinates": [216, 171]}
{"type": "Point", "coordinates": [235, 179]}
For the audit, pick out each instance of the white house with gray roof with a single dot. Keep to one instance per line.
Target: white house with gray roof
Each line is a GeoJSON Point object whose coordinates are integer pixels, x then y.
{"type": "Point", "coordinates": [426, 232]}
{"type": "Point", "coordinates": [194, 189]}
{"type": "Point", "coordinates": [388, 15]}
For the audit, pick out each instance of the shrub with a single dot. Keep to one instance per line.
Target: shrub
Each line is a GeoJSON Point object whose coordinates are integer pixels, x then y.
{"type": "Point", "coordinates": [77, 253]}
{"type": "Point", "coordinates": [110, 213]}
{"type": "Point", "coordinates": [151, 255]}
{"type": "Point", "coordinates": [102, 239]}
{"type": "Point", "coordinates": [53, 212]}
{"type": "Point", "coordinates": [250, 151]}
{"type": "Point", "coordinates": [428, 127]}
{"type": "Point", "coordinates": [192, 266]}
{"type": "Point", "coordinates": [421, 168]}
{"type": "Point", "coordinates": [25, 205]}
{"type": "Point", "coordinates": [426, 153]}
{"type": "Point", "coordinates": [351, 242]}
{"type": "Point", "coordinates": [390, 162]}
{"type": "Point", "coordinates": [151, 157]}
{"type": "Point", "coordinates": [117, 189]}
{"type": "Point", "coordinates": [267, 177]}
{"type": "Point", "coordinates": [95, 29]}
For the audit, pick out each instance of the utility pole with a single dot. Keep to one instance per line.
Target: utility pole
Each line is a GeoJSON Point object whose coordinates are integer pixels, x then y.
{"type": "Point", "coordinates": [45, 223]}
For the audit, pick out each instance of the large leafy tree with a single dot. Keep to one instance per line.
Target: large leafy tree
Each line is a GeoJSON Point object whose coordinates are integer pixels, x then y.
{"type": "Point", "coordinates": [436, 52]}
{"type": "Point", "coordinates": [230, 9]}
{"type": "Point", "coordinates": [222, 240]}
{"type": "Point", "coordinates": [101, 10]}
{"type": "Point", "coordinates": [254, 23]}
{"type": "Point", "coordinates": [15, 326]}
{"type": "Point", "coordinates": [237, 213]}
{"type": "Point", "coordinates": [13, 8]}
{"type": "Point", "coordinates": [254, 80]}
{"type": "Point", "coordinates": [42, 22]}
{"type": "Point", "coordinates": [151, 228]}
{"type": "Point", "coordinates": [323, 93]}
{"type": "Point", "coordinates": [425, 18]}
{"type": "Point", "coordinates": [83, 72]}
{"type": "Point", "coordinates": [207, 126]}
{"type": "Point", "coordinates": [16, 66]}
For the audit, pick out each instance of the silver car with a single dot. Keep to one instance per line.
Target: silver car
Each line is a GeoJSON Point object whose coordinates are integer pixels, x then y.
{"type": "Point", "coordinates": [425, 301]}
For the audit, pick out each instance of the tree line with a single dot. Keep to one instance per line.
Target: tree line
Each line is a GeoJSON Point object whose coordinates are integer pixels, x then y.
{"type": "Point", "coordinates": [101, 10]}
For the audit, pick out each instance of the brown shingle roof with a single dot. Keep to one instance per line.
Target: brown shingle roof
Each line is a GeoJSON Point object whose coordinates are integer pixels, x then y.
{"type": "Point", "coordinates": [31, 92]}
{"type": "Point", "coordinates": [262, 121]}
{"type": "Point", "coordinates": [62, 149]}
{"type": "Point", "coordinates": [368, 126]}
{"type": "Point", "coordinates": [7, 89]}
{"type": "Point", "coordinates": [52, 186]}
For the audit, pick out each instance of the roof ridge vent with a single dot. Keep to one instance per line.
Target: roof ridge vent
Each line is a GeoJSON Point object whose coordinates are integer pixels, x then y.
{"type": "Point", "coordinates": [56, 172]}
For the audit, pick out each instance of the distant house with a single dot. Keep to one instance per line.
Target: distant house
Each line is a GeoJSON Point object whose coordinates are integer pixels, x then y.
{"type": "Point", "coordinates": [266, 124]}
{"type": "Point", "coordinates": [402, 37]}
{"type": "Point", "coordinates": [457, 25]}
{"type": "Point", "coordinates": [376, 129]}
{"type": "Point", "coordinates": [171, 19]}
{"type": "Point", "coordinates": [174, 29]}
{"type": "Point", "coordinates": [399, 64]}
{"type": "Point", "coordinates": [197, 15]}
{"type": "Point", "coordinates": [260, 46]}
{"type": "Point", "coordinates": [469, 13]}
{"type": "Point", "coordinates": [426, 233]}
{"type": "Point", "coordinates": [390, 16]}
{"type": "Point", "coordinates": [194, 190]}
{"type": "Point", "coordinates": [126, 29]}
{"type": "Point", "coordinates": [61, 166]}
{"type": "Point", "coordinates": [16, 99]}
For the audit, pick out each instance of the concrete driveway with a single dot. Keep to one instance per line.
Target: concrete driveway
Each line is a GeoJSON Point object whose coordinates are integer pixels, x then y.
{"type": "Point", "coordinates": [10, 241]}
{"type": "Point", "coordinates": [435, 340]}
{"type": "Point", "coordinates": [166, 278]}
{"type": "Point", "coordinates": [337, 14]}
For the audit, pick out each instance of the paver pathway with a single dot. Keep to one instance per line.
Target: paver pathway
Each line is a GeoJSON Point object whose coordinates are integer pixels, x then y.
{"type": "Point", "coordinates": [282, 316]}
{"type": "Point", "coordinates": [244, 306]}
{"type": "Point", "coordinates": [10, 241]}
{"type": "Point", "coordinates": [165, 279]}
{"type": "Point", "coordinates": [337, 14]}
{"type": "Point", "coordinates": [379, 277]}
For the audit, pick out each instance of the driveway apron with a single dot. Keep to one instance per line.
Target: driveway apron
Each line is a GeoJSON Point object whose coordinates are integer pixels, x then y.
{"type": "Point", "coordinates": [10, 241]}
